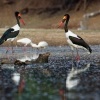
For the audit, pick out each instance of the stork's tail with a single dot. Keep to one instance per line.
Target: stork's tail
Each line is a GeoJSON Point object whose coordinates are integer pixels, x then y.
{"type": "Point", "coordinates": [89, 49]}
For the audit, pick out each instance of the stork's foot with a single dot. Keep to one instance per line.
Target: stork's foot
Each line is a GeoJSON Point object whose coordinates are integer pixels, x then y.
{"type": "Point", "coordinates": [77, 58]}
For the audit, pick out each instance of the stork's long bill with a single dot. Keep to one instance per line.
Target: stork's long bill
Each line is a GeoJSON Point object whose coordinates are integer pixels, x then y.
{"type": "Point", "coordinates": [62, 22]}
{"type": "Point", "coordinates": [21, 20]}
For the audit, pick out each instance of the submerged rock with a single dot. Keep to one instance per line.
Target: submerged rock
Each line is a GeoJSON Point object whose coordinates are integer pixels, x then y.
{"type": "Point", "coordinates": [42, 58]}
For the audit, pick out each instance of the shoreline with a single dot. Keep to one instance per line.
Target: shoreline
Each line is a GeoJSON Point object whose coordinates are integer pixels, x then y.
{"type": "Point", "coordinates": [54, 37]}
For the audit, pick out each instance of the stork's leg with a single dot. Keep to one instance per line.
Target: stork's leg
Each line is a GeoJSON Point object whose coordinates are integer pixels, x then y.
{"type": "Point", "coordinates": [24, 49]}
{"type": "Point", "coordinates": [72, 49]}
{"type": "Point", "coordinates": [7, 50]}
{"type": "Point", "coordinates": [12, 46]}
{"type": "Point", "coordinates": [41, 50]}
{"type": "Point", "coordinates": [72, 55]}
{"type": "Point", "coordinates": [77, 57]}
{"type": "Point", "coordinates": [16, 45]}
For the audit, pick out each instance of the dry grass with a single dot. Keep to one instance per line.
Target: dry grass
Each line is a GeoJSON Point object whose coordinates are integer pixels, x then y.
{"type": "Point", "coordinates": [56, 37]}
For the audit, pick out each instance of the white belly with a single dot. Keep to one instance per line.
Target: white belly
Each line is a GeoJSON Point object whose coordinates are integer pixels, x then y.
{"type": "Point", "coordinates": [11, 39]}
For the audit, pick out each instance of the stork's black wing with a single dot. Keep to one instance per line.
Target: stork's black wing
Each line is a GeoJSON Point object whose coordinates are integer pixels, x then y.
{"type": "Point", "coordinates": [79, 41]}
{"type": "Point", "coordinates": [10, 33]}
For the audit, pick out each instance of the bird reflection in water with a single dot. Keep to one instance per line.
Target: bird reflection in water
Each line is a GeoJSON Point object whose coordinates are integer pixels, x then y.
{"type": "Point", "coordinates": [70, 82]}
{"type": "Point", "coordinates": [11, 82]}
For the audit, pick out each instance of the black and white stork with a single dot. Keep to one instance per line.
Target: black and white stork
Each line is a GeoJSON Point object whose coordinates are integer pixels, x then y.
{"type": "Point", "coordinates": [12, 32]}
{"type": "Point", "coordinates": [73, 39]}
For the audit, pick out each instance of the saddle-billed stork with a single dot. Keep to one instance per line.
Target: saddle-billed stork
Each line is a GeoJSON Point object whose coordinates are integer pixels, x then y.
{"type": "Point", "coordinates": [12, 32]}
{"type": "Point", "coordinates": [73, 39]}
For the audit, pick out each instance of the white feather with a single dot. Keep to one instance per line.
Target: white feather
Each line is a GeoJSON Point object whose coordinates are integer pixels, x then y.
{"type": "Point", "coordinates": [16, 27]}
{"type": "Point", "coordinates": [41, 44]}
{"type": "Point", "coordinates": [24, 41]}
{"type": "Point", "coordinates": [69, 33]}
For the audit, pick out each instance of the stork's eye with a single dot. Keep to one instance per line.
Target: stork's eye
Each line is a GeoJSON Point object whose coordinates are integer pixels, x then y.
{"type": "Point", "coordinates": [64, 17]}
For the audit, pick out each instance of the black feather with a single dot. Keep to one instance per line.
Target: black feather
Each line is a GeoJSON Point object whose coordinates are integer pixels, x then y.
{"type": "Point", "coordinates": [10, 33]}
{"type": "Point", "coordinates": [1, 41]}
{"type": "Point", "coordinates": [79, 41]}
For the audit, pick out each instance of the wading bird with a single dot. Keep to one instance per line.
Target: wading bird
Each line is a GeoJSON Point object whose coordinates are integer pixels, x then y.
{"type": "Point", "coordinates": [12, 32]}
{"type": "Point", "coordinates": [73, 39]}
{"type": "Point", "coordinates": [41, 44]}
{"type": "Point", "coordinates": [27, 41]}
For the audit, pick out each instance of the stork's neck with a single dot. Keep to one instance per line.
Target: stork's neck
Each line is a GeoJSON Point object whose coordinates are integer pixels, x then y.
{"type": "Point", "coordinates": [66, 25]}
{"type": "Point", "coordinates": [16, 27]}
{"type": "Point", "coordinates": [34, 45]}
{"type": "Point", "coordinates": [18, 21]}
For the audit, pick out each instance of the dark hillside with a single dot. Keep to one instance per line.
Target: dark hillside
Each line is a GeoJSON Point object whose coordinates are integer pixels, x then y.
{"type": "Point", "coordinates": [46, 13]}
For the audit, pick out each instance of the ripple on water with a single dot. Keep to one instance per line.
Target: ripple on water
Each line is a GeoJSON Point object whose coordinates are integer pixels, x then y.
{"type": "Point", "coordinates": [43, 81]}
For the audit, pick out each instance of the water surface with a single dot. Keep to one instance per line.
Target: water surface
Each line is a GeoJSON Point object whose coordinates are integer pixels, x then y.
{"type": "Point", "coordinates": [47, 81]}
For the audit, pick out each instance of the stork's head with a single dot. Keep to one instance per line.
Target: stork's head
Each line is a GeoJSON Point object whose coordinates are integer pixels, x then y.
{"type": "Point", "coordinates": [18, 15]}
{"type": "Point", "coordinates": [65, 18]}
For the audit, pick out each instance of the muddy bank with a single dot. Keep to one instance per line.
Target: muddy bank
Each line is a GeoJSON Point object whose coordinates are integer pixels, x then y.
{"type": "Point", "coordinates": [54, 37]}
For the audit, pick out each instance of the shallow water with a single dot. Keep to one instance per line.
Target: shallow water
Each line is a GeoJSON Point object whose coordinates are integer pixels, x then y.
{"type": "Point", "coordinates": [47, 81]}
